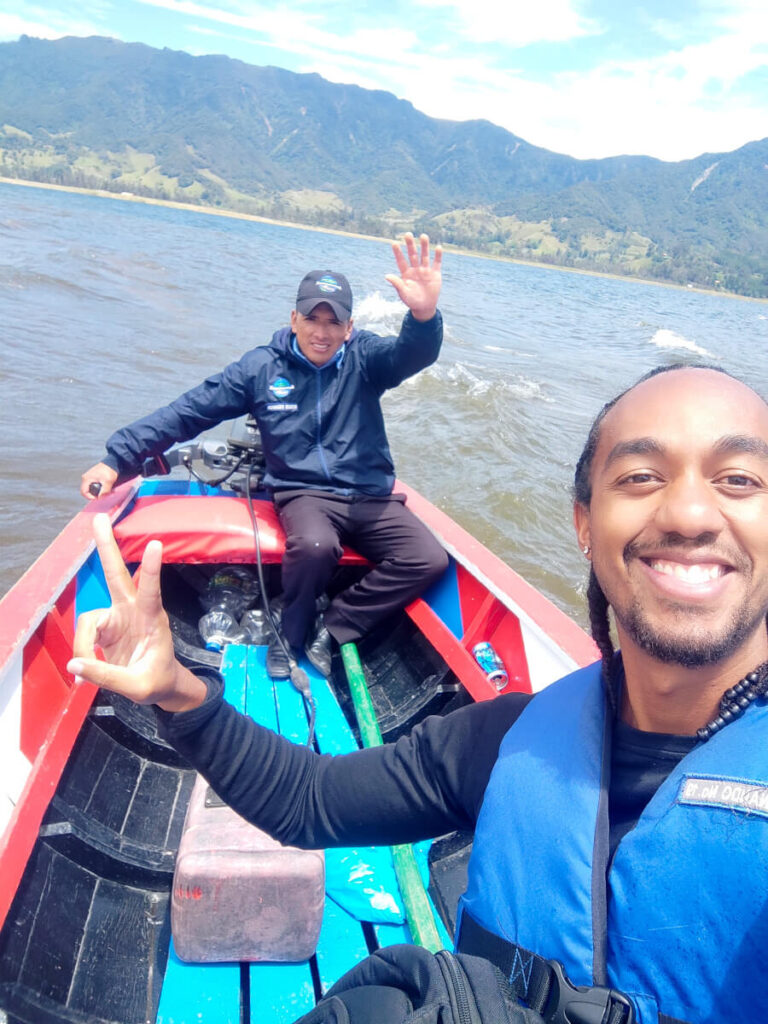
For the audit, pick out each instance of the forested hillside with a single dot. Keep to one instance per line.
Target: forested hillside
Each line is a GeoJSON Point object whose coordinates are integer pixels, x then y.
{"type": "Point", "coordinates": [98, 113]}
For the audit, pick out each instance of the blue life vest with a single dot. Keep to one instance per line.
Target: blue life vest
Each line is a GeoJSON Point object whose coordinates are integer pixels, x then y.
{"type": "Point", "coordinates": [682, 925]}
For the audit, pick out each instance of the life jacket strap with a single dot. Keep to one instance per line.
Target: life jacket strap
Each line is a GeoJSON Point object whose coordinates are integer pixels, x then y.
{"type": "Point", "coordinates": [543, 985]}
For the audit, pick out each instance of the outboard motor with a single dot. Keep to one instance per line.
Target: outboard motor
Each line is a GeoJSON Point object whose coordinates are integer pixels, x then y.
{"type": "Point", "coordinates": [217, 463]}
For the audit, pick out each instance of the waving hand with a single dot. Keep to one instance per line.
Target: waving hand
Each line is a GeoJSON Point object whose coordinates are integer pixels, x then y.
{"type": "Point", "coordinates": [419, 281]}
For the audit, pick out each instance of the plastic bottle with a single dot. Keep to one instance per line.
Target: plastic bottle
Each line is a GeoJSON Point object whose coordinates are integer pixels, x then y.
{"type": "Point", "coordinates": [228, 594]}
{"type": "Point", "coordinates": [232, 589]}
{"type": "Point", "coordinates": [218, 628]}
{"type": "Point", "coordinates": [256, 627]}
{"type": "Point", "coordinates": [489, 661]}
{"type": "Point", "coordinates": [248, 581]}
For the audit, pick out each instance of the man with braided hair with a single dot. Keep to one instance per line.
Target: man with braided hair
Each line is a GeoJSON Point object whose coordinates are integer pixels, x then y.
{"type": "Point", "coordinates": [621, 814]}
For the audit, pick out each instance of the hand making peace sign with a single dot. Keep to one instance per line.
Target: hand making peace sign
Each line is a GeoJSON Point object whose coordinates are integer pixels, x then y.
{"type": "Point", "coordinates": [133, 633]}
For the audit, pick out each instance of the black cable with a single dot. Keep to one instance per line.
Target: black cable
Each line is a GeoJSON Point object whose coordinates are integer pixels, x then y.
{"type": "Point", "coordinates": [187, 461]}
{"type": "Point", "coordinates": [309, 702]}
{"type": "Point", "coordinates": [299, 677]}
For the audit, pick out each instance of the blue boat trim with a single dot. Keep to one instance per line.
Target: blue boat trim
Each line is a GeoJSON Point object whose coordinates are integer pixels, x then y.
{"type": "Point", "coordinates": [91, 587]}
{"type": "Point", "coordinates": [443, 598]}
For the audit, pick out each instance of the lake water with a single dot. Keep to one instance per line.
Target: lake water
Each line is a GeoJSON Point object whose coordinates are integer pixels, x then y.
{"type": "Point", "coordinates": [110, 309]}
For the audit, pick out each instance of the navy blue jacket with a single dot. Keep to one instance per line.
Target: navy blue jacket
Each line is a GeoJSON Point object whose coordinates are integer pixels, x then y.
{"type": "Point", "coordinates": [321, 427]}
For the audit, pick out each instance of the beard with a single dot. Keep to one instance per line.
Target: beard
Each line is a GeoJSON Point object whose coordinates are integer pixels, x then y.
{"type": "Point", "coordinates": [686, 646]}
{"type": "Point", "coordinates": [678, 639]}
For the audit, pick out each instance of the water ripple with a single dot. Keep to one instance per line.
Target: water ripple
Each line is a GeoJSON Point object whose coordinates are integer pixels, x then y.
{"type": "Point", "coordinates": [111, 309]}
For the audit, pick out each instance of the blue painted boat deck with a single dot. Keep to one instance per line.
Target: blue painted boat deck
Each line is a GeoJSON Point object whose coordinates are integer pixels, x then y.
{"type": "Point", "coordinates": [360, 883]}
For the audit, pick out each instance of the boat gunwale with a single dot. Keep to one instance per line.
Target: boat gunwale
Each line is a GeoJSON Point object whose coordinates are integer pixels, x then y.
{"type": "Point", "coordinates": [22, 611]}
{"type": "Point", "coordinates": [22, 608]}
{"type": "Point", "coordinates": [519, 596]}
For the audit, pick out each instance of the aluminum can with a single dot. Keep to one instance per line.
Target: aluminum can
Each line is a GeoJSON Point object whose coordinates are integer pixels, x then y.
{"type": "Point", "coordinates": [489, 661]}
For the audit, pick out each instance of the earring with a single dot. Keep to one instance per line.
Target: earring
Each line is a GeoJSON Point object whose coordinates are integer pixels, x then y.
{"type": "Point", "coordinates": [586, 549]}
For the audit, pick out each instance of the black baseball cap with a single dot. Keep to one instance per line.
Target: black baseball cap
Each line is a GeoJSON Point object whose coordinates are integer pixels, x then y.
{"type": "Point", "coordinates": [325, 286]}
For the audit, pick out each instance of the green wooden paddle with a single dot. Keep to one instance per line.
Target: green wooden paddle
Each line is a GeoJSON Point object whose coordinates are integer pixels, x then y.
{"type": "Point", "coordinates": [418, 910]}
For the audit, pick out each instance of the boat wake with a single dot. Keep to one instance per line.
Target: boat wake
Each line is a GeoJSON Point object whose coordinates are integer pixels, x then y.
{"type": "Point", "coordinates": [664, 338]}
{"type": "Point", "coordinates": [473, 381]}
{"type": "Point", "coordinates": [379, 313]}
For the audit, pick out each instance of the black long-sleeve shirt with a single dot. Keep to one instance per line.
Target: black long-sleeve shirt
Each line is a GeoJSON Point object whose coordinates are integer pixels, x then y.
{"type": "Point", "coordinates": [428, 783]}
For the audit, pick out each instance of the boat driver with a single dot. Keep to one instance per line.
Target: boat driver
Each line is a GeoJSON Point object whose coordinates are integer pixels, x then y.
{"type": "Point", "coordinates": [315, 393]}
{"type": "Point", "coordinates": [620, 814]}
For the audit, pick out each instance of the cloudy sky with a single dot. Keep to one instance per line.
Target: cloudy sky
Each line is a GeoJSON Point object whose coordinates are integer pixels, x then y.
{"type": "Point", "coordinates": [590, 78]}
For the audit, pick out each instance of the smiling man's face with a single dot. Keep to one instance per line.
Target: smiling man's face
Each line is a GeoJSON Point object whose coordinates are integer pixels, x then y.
{"type": "Point", "coordinates": [678, 518]}
{"type": "Point", "coordinates": [320, 334]}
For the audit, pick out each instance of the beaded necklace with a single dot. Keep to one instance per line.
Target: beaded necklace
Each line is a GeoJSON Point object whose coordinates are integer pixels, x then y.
{"type": "Point", "coordinates": [736, 700]}
{"type": "Point", "coordinates": [733, 703]}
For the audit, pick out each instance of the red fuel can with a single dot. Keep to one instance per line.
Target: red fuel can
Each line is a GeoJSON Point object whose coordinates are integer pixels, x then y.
{"type": "Point", "coordinates": [238, 894]}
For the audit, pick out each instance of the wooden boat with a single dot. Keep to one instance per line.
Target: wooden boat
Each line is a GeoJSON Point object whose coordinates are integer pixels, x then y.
{"type": "Point", "coordinates": [92, 801]}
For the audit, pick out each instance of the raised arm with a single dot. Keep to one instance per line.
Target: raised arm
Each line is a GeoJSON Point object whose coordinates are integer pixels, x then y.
{"type": "Point", "coordinates": [223, 396]}
{"type": "Point", "coordinates": [426, 784]}
{"type": "Point", "coordinates": [419, 281]}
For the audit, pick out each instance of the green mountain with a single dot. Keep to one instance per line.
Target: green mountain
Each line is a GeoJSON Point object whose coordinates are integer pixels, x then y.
{"type": "Point", "coordinates": [99, 113]}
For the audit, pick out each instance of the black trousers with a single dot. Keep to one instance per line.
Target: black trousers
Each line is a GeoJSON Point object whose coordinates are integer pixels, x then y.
{"type": "Point", "coordinates": [406, 560]}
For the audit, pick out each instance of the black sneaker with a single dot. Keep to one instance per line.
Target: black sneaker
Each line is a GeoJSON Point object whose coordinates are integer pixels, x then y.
{"type": "Point", "coordinates": [278, 666]}
{"type": "Point", "coordinates": [319, 651]}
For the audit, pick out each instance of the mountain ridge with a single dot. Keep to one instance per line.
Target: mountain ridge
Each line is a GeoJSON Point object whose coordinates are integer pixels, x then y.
{"type": "Point", "coordinates": [215, 131]}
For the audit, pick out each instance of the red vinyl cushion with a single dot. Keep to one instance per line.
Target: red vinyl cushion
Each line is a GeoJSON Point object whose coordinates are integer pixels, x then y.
{"type": "Point", "coordinates": [204, 529]}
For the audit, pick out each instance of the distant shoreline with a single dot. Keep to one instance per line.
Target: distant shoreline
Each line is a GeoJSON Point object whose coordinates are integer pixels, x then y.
{"type": "Point", "coordinates": [192, 207]}
{"type": "Point", "coordinates": [457, 250]}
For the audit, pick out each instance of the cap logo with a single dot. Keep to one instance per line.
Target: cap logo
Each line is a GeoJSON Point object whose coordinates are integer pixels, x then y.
{"type": "Point", "coordinates": [281, 387]}
{"type": "Point", "coordinates": [328, 284]}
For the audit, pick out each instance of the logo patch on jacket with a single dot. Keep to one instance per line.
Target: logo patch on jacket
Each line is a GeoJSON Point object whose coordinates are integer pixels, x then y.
{"type": "Point", "coordinates": [734, 794]}
{"type": "Point", "coordinates": [281, 387]}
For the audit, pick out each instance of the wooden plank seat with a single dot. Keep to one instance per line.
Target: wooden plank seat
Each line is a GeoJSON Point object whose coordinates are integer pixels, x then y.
{"type": "Point", "coordinates": [279, 993]}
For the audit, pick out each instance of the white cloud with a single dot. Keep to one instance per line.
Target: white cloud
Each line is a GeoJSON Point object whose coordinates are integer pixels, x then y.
{"type": "Point", "coordinates": [13, 25]}
{"type": "Point", "coordinates": [42, 23]}
{"type": "Point", "coordinates": [276, 27]}
{"type": "Point", "coordinates": [199, 30]}
{"type": "Point", "coordinates": [675, 106]}
{"type": "Point", "coordinates": [678, 105]}
{"type": "Point", "coordinates": [516, 24]}
{"type": "Point", "coordinates": [264, 20]}
{"type": "Point", "coordinates": [738, 15]}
